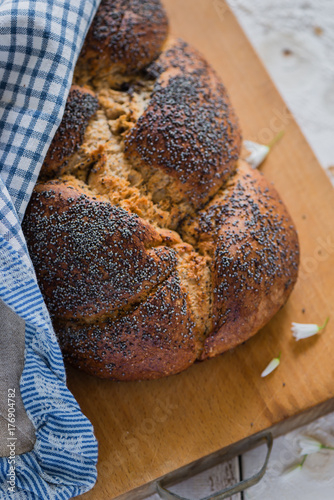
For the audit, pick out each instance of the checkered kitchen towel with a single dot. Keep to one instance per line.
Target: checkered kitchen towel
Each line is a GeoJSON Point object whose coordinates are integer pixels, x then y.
{"type": "Point", "coordinates": [39, 43]}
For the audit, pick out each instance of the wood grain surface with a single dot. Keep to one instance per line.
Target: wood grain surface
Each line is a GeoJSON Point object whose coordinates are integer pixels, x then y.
{"type": "Point", "coordinates": [148, 429]}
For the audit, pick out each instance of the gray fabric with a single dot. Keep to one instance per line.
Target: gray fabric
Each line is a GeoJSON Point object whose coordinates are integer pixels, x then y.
{"type": "Point", "coordinates": [12, 333]}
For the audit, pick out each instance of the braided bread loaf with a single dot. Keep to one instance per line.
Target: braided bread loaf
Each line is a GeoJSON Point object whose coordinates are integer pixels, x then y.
{"type": "Point", "coordinates": [153, 243]}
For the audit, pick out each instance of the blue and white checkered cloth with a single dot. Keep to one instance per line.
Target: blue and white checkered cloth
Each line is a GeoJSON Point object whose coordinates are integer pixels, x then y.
{"type": "Point", "coordinates": [40, 41]}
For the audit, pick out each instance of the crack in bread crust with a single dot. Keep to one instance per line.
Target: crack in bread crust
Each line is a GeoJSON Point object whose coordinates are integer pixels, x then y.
{"type": "Point", "coordinates": [153, 245]}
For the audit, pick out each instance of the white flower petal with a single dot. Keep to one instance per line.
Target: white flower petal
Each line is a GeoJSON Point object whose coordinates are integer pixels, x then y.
{"type": "Point", "coordinates": [303, 331]}
{"type": "Point", "coordinates": [258, 153]}
{"type": "Point", "coordinates": [271, 367]}
{"type": "Point", "coordinates": [309, 445]}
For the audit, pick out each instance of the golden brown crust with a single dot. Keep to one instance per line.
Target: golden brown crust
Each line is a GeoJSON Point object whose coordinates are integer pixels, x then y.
{"type": "Point", "coordinates": [125, 36]}
{"type": "Point", "coordinates": [189, 129]}
{"type": "Point", "coordinates": [255, 254]}
{"type": "Point", "coordinates": [153, 246]}
{"type": "Point", "coordinates": [81, 105]}
{"type": "Point", "coordinates": [103, 269]}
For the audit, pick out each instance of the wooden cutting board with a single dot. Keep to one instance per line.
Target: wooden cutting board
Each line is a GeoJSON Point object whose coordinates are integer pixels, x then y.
{"type": "Point", "coordinates": [148, 429]}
